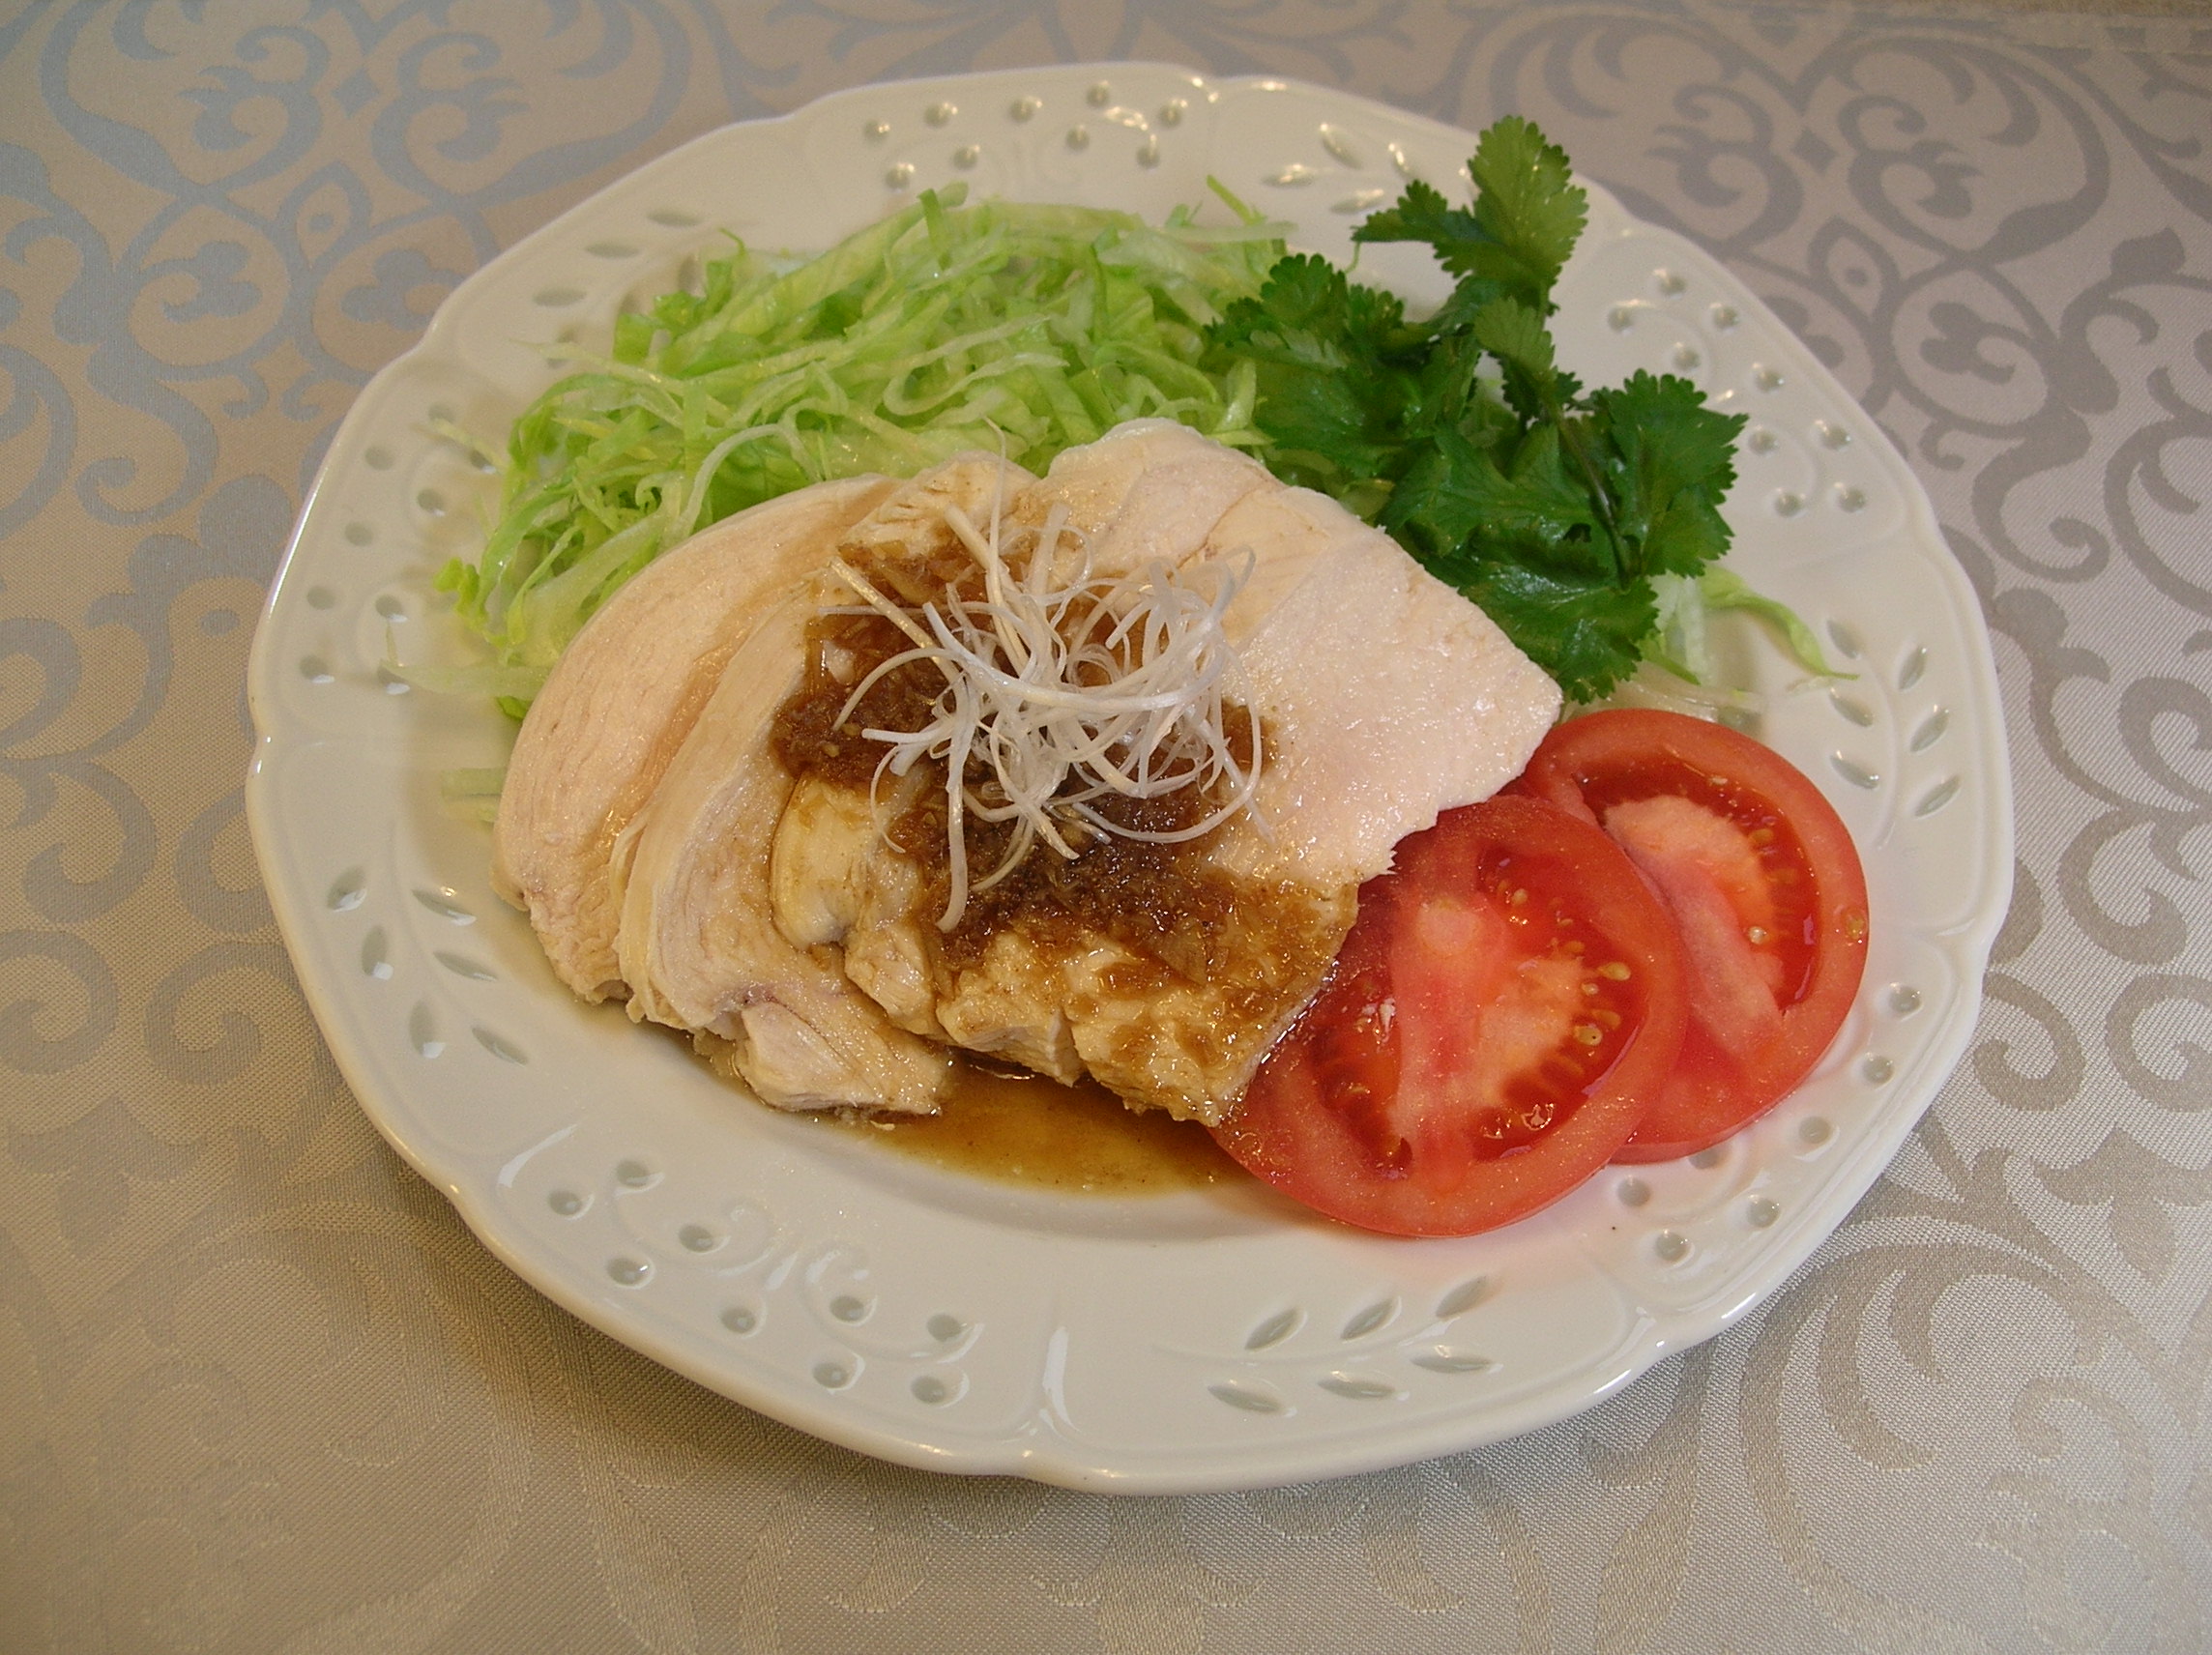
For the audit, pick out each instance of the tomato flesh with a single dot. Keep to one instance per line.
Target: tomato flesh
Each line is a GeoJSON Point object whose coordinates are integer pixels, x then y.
{"type": "Point", "coordinates": [1507, 1004]}
{"type": "Point", "coordinates": [1765, 891]}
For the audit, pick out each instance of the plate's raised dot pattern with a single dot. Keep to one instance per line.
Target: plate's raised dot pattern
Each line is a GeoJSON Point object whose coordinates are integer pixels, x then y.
{"type": "Point", "coordinates": [1903, 999]}
{"type": "Point", "coordinates": [1274, 1329]}
{"type": "Point", "coordinates": [613, 250]}
{"type": "Point", "coordinates": [1930, 730]}
{"type": "Point", "coordinates": [945, 1328]}
{"type": "Point", "coordinates": [1400, 160]}
{"type": "Point", "coordinates": [1361, 201]}
{"type": "Point", "coordinates": [1767, 379]}
{"type": "Point", "coordinates": [1078, 136]}
{"type": "Point", "coordinates": [377, 457]}
{"type": "Point", "coordinates": [1173, 111]}
{"type": "Point", "coordinates": [1668, 282]}
{"type": "Point", "coordinates": [940, 114]}
{"type": "Point", "coordinates": [567, 1203]}
{"type": "Point", "coordinates": [1444, 1359]}
{"type": "Point", "coordinates": [1724, 317]}
{"type": "Point", "coordinates": [1669, 1246]}
{"type": "Point", "coordinates": [445, 905]}
{"type": "Point", "coordinates": [1876, 1069]}
{"type": "Point", "coordinates": [316, 670]}
{"type": "Point", "coordinates": [1358, 1387]}
{"type": "Point", "coordinates": [1761, 1211]}
{"type": "Point", "coordinates": [697, 1239]}
{"type": "Point", "coordinates": [1247, 1397]}
{"type": "Point", "coordinates": [557, 298]}
{"type": "Point", "coordinates": [1937, 797]}
{"type": "Point", "coordinates": [1705, 1160]}
{"type": "Point", "coordinates": [322, 596]}
{"type": "Point", "coordinates": [1620, 318]}
{"type": "Point", "coordinates": [835, 1373]}
{"type": "Point", "coordinates": [376, 955]}
{"type": "Point", "coordinates": [741, 1319]}
{"type": "Point", "coordinates": [934, 1390]}
{"type": "Point", "coordinates": [1338, 142]}
{"type": "Point", "coordinates": [461, 966]}
{"type": "Point", "coordinates": [1022, 108]}
{"type": "Point", "coordinates": [1855, 772]}
{"type": "Point", "coordinates": [1148, 153]}
{"type": "Point", "coordinates": [1814, 1129]}
{"type": "Point", "coordinates": [423, 1032]}
{"type": "Point", "coordinates": [1913, 668]}
{"type": "Point", "coordinates": [899, 176]}
{"type": "Point", "coordinates": [1789, 503]}
{"type": "Point", "coordinates": [1851, 708]}
{"type": "Point", "coordinates": [674, 217]}
{"type": "Point", "coordinates": [1459, 1300]}
{"type": "Point", "coordinates": [1367, 1319]}
{"type": "Point", "coordinates": [1632, 1192]}
{"type": "Point", "coordinates": [627, 1271]}
{"type": "Point", "coordinates": [1849, 497]}
{"type": "Point", "coordinates": [1100, 95]}
{"type": "Point", "coordinates": [499, 1046]}
{"type": "Point", "coordinates": [1847, 640]}
{"type": "Point", "coordinates": [875, 132]}
{"type": "Point", "coordinates": [846, 1307]}
{"type": "Point", "coordinates": [635, 1175]}
{"type": "Point", "coordinates": [1295, 176]}
{"type": "Point", "coordinates": [347, 891]}
{"type": "Point", "coordinates": [356, 535]}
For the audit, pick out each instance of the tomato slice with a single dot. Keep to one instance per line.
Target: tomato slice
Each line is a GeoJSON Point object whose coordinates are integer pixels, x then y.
{"type": "Point", "coordinates": [1765, 888]}
{"type": "Point", "coordinates": [1507, 1004]}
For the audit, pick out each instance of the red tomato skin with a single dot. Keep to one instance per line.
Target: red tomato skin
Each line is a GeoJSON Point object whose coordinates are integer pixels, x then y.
{"type": "Point", "coordinates": [1712, 1094]}
{"type": "Point", "coordinates": [1307, 1123]}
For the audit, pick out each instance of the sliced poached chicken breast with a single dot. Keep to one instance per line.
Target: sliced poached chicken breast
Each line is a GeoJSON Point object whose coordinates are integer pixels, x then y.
{"type": "Point", "coordinates": [1382, 697]}
{"type": "Point", "coordinates": [697, 941]}
{"type": "Point", "coordinates": [620, 703]}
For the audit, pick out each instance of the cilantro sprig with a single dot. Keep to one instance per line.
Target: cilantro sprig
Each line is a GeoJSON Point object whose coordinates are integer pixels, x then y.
{"type": "Point", "coordinates": [1550, 505]}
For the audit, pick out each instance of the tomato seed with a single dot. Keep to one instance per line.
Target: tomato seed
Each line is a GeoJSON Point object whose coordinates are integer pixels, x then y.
{"type": "Point", "coordinates": [1614, 971]}
{"type": "Point", "coordinates": [1589, 1034]}
{"type": "Point", "coordinates": [1757, 935]}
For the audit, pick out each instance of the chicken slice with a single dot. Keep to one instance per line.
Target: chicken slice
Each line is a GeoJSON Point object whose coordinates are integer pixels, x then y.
{"type": "Point", "coordinates": [697, 941]}
{"type": "Point", "coordinates": [1388, 697]}
{"type": "Point", "coordinates": [622, 700]}
{"type": "Point", "coordinates": [1384, 698]}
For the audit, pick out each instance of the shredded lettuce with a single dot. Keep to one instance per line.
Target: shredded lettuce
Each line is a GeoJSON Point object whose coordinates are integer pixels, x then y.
{"type": "Point", "coordinates": [1013, 328]}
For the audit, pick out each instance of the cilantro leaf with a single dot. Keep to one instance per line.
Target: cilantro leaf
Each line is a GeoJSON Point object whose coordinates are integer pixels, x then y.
{"type": "Point", "coordinates": [1526, 198]}
{"type": "Point", "coordinates": [1585, 630]}
{"type": "Point", "coordinates": [1331, 393]}
{"type": "Point", "coordinates": [1463, 436]}
{"type": "Point", "coordinates": [1528, 216]}
{"type": "Point", "coordinates": [1672, 461]}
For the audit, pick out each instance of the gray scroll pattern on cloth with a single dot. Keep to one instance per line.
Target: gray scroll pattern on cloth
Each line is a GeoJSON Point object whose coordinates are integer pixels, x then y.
{"type": "Point", "coordinates": [259, 1389]}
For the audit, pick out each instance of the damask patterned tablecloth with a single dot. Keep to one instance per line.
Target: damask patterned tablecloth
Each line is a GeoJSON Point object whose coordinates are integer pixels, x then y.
{"type": "Point", "coordinates": [261, 1390]}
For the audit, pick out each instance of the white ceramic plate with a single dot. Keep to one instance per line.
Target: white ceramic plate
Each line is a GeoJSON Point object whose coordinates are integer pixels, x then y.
{"type": "Point", "coordinates": [1204, 1340]}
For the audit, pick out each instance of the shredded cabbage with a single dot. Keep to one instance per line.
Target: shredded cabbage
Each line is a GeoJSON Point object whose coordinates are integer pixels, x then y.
{"type": "Point", "coordinates": [1021, 329]}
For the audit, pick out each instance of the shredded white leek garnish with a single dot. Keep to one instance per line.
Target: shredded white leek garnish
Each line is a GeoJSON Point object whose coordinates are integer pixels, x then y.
{"type": "Point", "coordinates": [1065, 688]}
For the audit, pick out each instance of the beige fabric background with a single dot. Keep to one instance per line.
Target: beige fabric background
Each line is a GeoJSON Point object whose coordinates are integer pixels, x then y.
{"type": "Point", "coordinates": [260, 1390]}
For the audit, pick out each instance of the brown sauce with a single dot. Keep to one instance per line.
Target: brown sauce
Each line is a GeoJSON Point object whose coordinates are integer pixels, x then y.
{"type": "Point", "coordinates": [1024, 1129]}
{"type": "Point", "coordinates": [1163, 902]}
